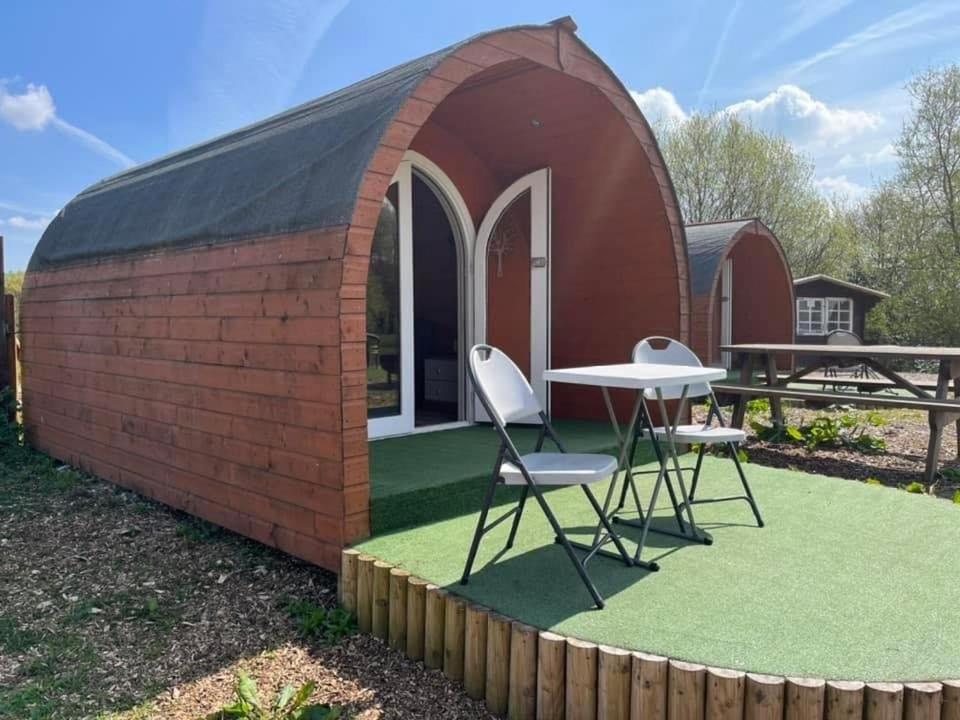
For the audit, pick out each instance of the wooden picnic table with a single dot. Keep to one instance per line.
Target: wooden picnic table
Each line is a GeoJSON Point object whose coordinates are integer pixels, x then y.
{"type": "Point", "coordinates": [811, 358]}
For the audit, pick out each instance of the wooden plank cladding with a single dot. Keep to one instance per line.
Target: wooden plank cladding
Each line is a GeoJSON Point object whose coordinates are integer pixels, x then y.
{"type": "Point", "coordinates": [205, 378]}
{"type": "Point", "coordinates": [523, 673]}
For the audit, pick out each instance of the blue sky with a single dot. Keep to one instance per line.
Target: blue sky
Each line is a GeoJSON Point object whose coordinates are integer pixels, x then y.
{"type": "Point", "coordinates": [87, 89]}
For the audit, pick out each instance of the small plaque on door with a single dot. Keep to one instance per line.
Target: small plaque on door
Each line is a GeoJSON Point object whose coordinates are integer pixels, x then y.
{"type": "Point", "coordinates": [538, 262]}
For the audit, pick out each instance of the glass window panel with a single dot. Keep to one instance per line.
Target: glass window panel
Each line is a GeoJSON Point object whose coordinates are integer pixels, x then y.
{"type": "Point", "coordinates": [383, 312]}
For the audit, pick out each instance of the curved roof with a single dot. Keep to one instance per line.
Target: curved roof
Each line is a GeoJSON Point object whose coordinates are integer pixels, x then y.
{"type": "Point", "coordinates": [709, 243]}
{"type": "Point", "coordinates": [259, 180]}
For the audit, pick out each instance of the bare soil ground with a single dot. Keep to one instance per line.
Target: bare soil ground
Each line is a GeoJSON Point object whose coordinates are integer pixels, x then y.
{"type": "Point", "coordinates": [115, 607]}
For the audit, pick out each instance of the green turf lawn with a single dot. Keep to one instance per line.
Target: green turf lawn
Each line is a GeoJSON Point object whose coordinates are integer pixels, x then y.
{"type": "Point", "coordinates": [430, 476]}
{"type": "Point", "coordinates": [847, 580]}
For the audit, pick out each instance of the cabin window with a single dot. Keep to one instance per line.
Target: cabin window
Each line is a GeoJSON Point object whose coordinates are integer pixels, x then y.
{"type": "Point", "coordinates": [839, 314]}
{"type": "Point", "coordinates": [810, 316]}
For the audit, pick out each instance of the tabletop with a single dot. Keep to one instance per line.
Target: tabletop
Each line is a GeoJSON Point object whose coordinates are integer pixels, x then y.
{"type": "Point", "coordinates": [901, 351]}
{"type": "Point", "coordinates": [635, 376]}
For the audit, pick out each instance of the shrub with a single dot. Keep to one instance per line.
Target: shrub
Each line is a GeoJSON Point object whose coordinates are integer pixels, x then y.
{"type": "Point", "coordinates": [956, 498]}
{"type": "Point", "coordinates": [915, 487]}
{"type": "Point", "coordinates": [316, 622]}
{"type": "Point", "coordinates": [873, 481]}
{"type": "Point", "coordinates": [290, 704]}
{"type": "Point", "coordinates": [827, 431]}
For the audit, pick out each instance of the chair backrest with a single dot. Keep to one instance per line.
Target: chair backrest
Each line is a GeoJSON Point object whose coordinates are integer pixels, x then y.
{"type": "Point", "coordinates": [843, 337]}
{"type": "Point", "coordinates": [504, 391]}
{"type": "Point", "coordinates": [669, 352]}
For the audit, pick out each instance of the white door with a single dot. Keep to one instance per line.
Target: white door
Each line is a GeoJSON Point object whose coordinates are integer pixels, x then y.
{"type": "Point", "coordinates": [390, 359]}
{"type": "Point", "coordinates": [537, 185]}
{"type": "Point", "coordinates": [726, 309]}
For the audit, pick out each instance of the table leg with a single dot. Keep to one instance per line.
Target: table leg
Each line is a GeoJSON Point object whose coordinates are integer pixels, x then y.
{"type": "Point", "coordinates": [776, 408]}
{"type": "Point", "coordinates": [746, 378]}
{"type": "Point", "coordinates": [937, 421]}
{"type": "Point", "coordinates": [695, 534]}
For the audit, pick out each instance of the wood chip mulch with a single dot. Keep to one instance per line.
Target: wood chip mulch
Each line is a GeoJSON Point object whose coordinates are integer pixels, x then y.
{"type": "Point", "coordinates": [114, 607]}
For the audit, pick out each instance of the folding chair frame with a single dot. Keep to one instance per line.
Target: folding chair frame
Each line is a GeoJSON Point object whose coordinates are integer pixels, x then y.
{"type": "Point", "coordinates": [732, 448]}
{"type": "Point", "coordinates": [509, 452]}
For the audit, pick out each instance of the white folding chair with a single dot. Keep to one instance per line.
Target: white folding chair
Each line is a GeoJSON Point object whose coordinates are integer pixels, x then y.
{"type": "Point", "coordinates": [713, 431]}
{"type": "Point", "coordinates": [507, 396]}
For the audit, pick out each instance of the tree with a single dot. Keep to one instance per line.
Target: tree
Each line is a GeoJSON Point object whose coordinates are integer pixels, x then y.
{"type": "Point", "coordinates": [909, 230]}
{"type": "Point", "coordinates": [722, 168]}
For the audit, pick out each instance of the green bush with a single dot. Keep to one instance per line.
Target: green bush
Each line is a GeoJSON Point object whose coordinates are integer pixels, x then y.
{"type": "Point", "coordinates": [290, 704]}
{"type": "Point", "coordinates": [956, 498]}
{"type": "Point", "coordinates": [915, 487]}
{"type": "Point", "coordinates": [827, 431]}
{"type": "Point", "coordinates": [316, 622]}
{"type": "Point", "coordinates": [873, 481]}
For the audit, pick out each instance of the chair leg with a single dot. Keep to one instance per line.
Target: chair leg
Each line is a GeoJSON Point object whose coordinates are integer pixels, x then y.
{"type": "Point", "coordinates": [606, 525]}
{"type": "Point", "coordinates": [516, 518]}
{"type": "Point", "coordinates": [482, 520]}
{"type": "Point", "coordinates": [568, 548]}
{"type": "Point", "coordinates": [696, 471]}
{"type": "Point", "coordinates": [743, 481]}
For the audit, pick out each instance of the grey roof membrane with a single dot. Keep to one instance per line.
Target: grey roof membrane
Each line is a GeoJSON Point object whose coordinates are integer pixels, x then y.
{"type": "Point", "coordinates": [706, 246]}
{"type": "Point", "coordinates": [298, 170]}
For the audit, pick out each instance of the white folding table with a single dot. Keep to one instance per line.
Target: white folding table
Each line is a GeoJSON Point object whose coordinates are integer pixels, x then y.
{"type": "Point", "coordinates": [640, 377]}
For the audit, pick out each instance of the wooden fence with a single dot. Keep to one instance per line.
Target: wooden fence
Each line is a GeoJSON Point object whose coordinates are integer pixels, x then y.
{"type": "Point", "coordinates": [521, 672]}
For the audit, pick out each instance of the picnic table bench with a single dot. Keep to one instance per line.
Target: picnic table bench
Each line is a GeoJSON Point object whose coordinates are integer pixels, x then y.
{"type": "Point", "coordinates": [940, 409]}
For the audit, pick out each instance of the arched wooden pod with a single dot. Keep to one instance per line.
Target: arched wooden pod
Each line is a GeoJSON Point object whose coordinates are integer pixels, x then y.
{"type": "Point", "coordinates": [922, 701]}
{"type": "Point", "coordinates": [764, 697]}
{"type": "Point", "coordinates": [522, 702]}
{"type": "Point", "coordinates": [551, 673]}
{"type": "Point", "coordinates": [497, 694]}
{"type": "Point", "coordinates": [951, 700]}
{"type": "Point", "coordinates": [380, 613]}
{"type": "Point", "coordinates": [433, 627]}
{"type": "Point", "coordinates": [804, 698]}
{"type": "Point", "coordinates": [648, 694]}
{"type": "Point", "coordinates": [348, 580]}
{"type": "Point", "coordinates": [686, 691]}
{"type": "Point", "coordinates": [843, 700]}
{"type": "Point", "coordinates": [416, 615]}
{"type": "Point", "coordinates": [725, 694]}
{"type": "Point", "coordinates": [365, 593]}
{"type": "Point", "coordinates": [398, 609]}
{"type": "Point", "coordinates": [581, 685]}
{"type": "Point", "coordinates": [475, 652]}
{"type": "Point", "coordinates": [453, 629]}
{"type": "Point", "coordinates": [613, 684]}
{"type": "Point", "coordinates": [883, 701]}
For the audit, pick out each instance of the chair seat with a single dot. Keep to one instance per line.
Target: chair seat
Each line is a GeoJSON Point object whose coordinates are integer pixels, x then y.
{"type": "Point", "coordinates": [561, 468]}
{"type": "Point", "coordinates": [705, 434]}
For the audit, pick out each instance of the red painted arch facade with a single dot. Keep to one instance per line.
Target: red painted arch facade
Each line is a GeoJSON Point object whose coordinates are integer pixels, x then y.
{"type": "Point", "coordinates": [229, 379]}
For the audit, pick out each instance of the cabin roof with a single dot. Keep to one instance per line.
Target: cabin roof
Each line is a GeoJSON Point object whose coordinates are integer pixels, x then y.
{"type": "Point", "coordinates": [708, 244]}
{"type": "Point", "coordinates": [298, 170]}
{"type": "Point", "coordinates": [820, 277]}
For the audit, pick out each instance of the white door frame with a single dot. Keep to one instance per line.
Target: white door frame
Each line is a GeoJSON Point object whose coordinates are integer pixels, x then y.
{"type": "Point", "coordinates": [538, 185]}
{"type": "Point", "coordinates": [458, 215]}
{"type": "Point", "coordinates": [726, 309]}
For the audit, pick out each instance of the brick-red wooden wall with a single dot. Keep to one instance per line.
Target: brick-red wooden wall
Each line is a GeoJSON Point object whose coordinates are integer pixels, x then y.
{"type": "Point", "coordinates": [210, 380]}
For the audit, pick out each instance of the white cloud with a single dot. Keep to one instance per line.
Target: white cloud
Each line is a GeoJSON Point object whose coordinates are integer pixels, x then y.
{"type": "Point", "coordinates": [33, 110]}
{"type": "Point", "coordinates": [793, 112]}
{"type": "Point", "coordinates": [21, 223]}
{"type": "Point", "coordinates": [884, 156]}
{"type": "Point", "coordinates": [659, 106]}
{"type": "Point", "coordinates": [841, 186]}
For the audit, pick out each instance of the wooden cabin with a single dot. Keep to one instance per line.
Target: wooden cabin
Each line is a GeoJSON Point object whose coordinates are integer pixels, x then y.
{"type": "Point", "coordinates": [826, 304]}
{"type": "Point", "coordinates": [224, 329]}
{"type": "Point", "coordinates": [741, 287]}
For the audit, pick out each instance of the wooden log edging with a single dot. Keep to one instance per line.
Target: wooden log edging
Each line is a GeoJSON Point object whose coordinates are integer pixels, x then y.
{"type": "Point", "coordinates": [523, 673]}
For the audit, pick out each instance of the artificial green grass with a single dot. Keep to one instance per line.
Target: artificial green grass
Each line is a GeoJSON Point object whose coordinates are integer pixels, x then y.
{"type": "Point", "coordinates": [847, 580]}
{"type": "Point", "coordinates": [427, 477]}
